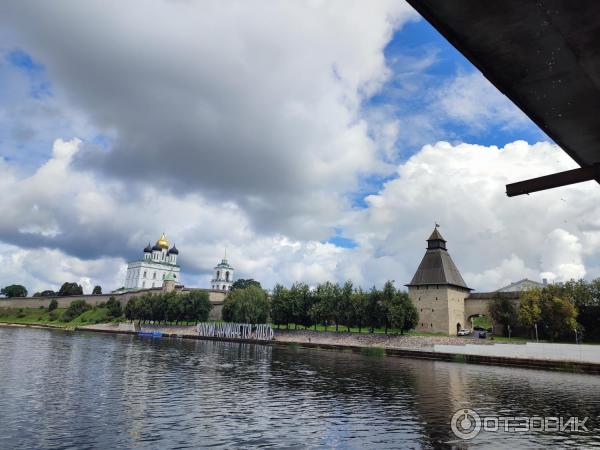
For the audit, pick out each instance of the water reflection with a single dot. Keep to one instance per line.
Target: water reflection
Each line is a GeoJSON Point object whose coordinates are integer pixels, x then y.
{"type": "Point", "coordinates": [74, 390]}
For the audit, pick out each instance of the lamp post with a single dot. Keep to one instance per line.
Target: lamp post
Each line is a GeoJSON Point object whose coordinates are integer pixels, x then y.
{"type": "Point", "coordinates": [536, 334]}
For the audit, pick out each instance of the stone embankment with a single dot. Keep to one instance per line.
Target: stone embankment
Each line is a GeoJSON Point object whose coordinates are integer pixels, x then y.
{"type": "Point", "coordinates": [392, 341]}
{"type": "Point", "coordinates": [567, 357]}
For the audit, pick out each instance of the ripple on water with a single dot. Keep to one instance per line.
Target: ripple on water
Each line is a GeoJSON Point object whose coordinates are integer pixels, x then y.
{"type": "Point", "coordinates": [84, 390]}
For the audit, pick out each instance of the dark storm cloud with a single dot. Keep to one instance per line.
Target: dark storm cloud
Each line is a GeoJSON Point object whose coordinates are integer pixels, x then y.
{"type": "Point", "coordinates": [253, 103]}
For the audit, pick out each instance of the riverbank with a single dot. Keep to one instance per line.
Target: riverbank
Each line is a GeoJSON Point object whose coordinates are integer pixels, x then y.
{"type": "Point", "coordinates": [561, 357]}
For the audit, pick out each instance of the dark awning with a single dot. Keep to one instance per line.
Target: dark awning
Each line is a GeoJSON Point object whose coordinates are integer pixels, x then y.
{"type": "Point", "coordinates": [542, 54]}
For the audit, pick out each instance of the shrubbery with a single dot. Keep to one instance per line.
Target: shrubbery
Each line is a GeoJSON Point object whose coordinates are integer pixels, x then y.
{"type": "Point", "coordinates": [52, 305]}
{"type": "Point", "coordinates": [76, 308]}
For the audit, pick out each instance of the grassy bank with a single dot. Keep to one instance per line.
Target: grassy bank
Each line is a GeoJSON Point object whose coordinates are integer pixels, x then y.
{"type": "Point", "coordinates": [41, 316]}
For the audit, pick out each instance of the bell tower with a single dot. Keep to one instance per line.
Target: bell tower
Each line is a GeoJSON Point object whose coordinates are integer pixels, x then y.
{"type": "Point", "coordinates": [438, 290]}
{"type": "Point", "coordinates": [222, 275]}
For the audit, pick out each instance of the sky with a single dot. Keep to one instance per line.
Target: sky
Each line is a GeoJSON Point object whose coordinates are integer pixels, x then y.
{"type": "Point", "coordinates": [315, 140]}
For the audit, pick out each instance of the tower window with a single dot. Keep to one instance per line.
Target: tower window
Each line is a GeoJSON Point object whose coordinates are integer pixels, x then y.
{"type": "Point", "coordinates": [218, 274]}
{"type": "Point", "coordinates": [154, 278]}
{"type": "Point", "coordinates": [144, 274]}
{"type": "Point", "coordinates": [227, 276]}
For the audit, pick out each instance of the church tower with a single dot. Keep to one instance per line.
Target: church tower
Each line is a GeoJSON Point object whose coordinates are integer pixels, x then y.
{"type": "Point", "coordinates": [438, 290]}
{"type": "Point", "coordinates": [223, 276]}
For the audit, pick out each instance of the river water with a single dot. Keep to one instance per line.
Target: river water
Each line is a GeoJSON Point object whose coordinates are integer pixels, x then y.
{"type": "Point", "coordinates": [91, 390]}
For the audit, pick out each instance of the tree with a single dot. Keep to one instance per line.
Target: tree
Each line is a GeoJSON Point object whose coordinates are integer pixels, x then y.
{"type": "Point", "coordinates": [586, 298]}
{"type": "Point", "coordinates": [529, 312]}
{"type": "Point", "coordinates": [14, 290]}
{"type": "Point", "coordinates": [327, 295]}
{"type": "Point", "coordinates": [46, 293]}
{"type": "Point", "coordinates": [280, 305]}
{"type": "Point", "coordinates": [228, 311]}
{"type": "Point", "coordinates": [301, 301]}
{"type": "Point", "coordinates": [52, 305]}
{"type": "Point", "coordinates": [249, 305]}
{"type": "Point", "coordinates": [199, 306]}
{"type": "Point", "coordinates": [70, 289]}
{"type": "Point", "coordinates": [76, 308]}
{"type": "Point", "coordinates": [114, 307]}
{"type": "Point", "coordinates": [374, 312]}
{"type": "Point", "coordinates": [559, 317]}
{"type": "Point", "coordinates": [97, 290]}
{"type": "Point", "coordinates": [346, 312]}
{"type": "Point", "coordinates": [411, 316]}
{"type": "Point", "coordinates": [391, 311]}
{"type": "Point", "coordinates": [360, 303]}
{"type": "Point", "coordinates": [244, 283]}
{"type": "Point", "coordinates": [503, 312]}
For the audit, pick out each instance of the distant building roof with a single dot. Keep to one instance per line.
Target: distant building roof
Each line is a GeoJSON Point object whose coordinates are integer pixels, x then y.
{"type": "Point", "coordinates": [521, 285]}
{"type": "Point", "coordinates": [437, 266]}
{"type": "Point", "coordinates": [511, 295]}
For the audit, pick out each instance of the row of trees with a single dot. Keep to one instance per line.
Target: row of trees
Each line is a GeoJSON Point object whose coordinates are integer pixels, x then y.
{"type": "Point", "coordinates": [332, 304]}
{"type": "Point", "coordinates": [556, 311]}
{"type": "Point", "coordinates": [169, 307]}
{"type": "Point", "coordinates": [18, 290]}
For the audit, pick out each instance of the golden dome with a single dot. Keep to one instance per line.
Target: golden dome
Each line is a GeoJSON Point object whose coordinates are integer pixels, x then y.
{"type": "Point", "coordinates": [162, 242]}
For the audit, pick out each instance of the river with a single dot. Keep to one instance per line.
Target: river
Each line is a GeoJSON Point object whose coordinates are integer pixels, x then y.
{"type": "Point", "coordinates": [92, 390]}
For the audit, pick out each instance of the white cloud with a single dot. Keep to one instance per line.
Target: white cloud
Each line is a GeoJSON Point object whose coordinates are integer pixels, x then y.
{"type": "Point", "coordinates": [471, 99]}
{"type": "Point", "coordinates": [492, 238]}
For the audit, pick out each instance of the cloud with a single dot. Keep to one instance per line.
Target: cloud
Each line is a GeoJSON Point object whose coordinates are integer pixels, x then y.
{"type": "Point", "coordinates": [255, 103]}
{"type": "Point", "coordinates": [67, 224]}
{"type": "Point", "coordinates": [469, 98]}
{"type": "Point", "coordinates": [492, 238]}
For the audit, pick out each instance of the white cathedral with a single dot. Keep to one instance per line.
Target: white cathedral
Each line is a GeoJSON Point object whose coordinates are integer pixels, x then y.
{"type": "Point", "coordinates": [160, 262]}
{"type": "Point", "coordinates": [150, 271]}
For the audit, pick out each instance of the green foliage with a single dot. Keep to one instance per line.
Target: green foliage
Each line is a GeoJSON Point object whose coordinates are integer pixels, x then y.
{"type": "Point", "coordinates": [301, 301]}
{"type": "Point", "coordinates": [280, 305]}
{"type": "Point", "coordinates": [529, 313]}
{"type": "Point", "coordinates": [70, 289]}
{"type": "Point", "coordinates": [76, 308]}
{"type": "Point", "coordinates": [248, 305]}
{"type": "Point", "coordinates": [114, 308]}
{"type": "Point", "coordinates": [46, 293]}
{"type": "Point", "coordinates": [169, 307]}
{"type": "Point", "coordinates": [330, 304]}
{"type": "Point", "coordinates": [503, 312]}
{"type": "Point", "coordinates": [52, 305]}
{"type": "Point", "coordinates": [97, 290]}
{"type": "Point", "coordinates": [14, 290]}
{"type": "Point", "coordinates": [244, 283]}
{"type": "Point", "coordinates": [559, 317]}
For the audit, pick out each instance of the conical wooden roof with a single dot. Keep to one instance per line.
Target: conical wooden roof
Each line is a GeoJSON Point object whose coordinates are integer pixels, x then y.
{"type": "Point", "coordinates": [437, 267]}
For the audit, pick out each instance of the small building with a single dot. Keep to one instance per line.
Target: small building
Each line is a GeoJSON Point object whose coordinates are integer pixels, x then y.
{"type": "Point", "coordinates": [150, 271]}
{"type": "Point", "coordinates": [223, 276]}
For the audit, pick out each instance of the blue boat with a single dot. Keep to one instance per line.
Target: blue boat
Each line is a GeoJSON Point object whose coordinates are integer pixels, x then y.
{"type": "Point", "coordinates": [155, 334]}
